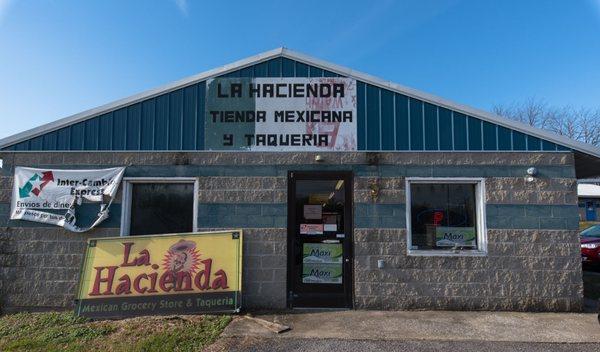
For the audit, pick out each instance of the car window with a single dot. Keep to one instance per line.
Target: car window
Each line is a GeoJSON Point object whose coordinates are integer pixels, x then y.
{"type": "Point", "coordinates": [593, 231]}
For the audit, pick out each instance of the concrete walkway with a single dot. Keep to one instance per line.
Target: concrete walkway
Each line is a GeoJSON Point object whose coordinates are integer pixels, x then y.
{"type": "Point", "coordinates": [426, 326]}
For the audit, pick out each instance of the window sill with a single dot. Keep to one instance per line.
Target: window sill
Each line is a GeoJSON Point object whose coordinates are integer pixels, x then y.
{"type": "Point", "coordinates": [446, 253]}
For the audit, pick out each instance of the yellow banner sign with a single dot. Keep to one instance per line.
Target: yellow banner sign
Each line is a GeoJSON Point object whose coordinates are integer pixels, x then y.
{"type": "Point", "coordinates": [161, 274]}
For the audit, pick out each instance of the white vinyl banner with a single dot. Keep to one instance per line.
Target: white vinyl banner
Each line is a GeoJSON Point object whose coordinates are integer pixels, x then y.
{"type": "Point", "coordinates": [53, 196]}
{"type": "Point", "coordinates": [281, 114]}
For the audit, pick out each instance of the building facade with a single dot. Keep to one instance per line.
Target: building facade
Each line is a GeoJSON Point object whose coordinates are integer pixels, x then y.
{"type": "Point", "coordinates": [417, 203]}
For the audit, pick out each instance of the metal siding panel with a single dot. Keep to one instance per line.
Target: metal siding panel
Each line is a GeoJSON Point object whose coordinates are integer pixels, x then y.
{"type": "Point", "coordinates": [547, 145]}
{"type": "Point", "coordinates": [431, 127]}
{"type": "Point", "coordinates": [301, 70]}
{"type": "Point", "coordinates": [261, 69]}
{"type": "Point", "coordinates": [287, 67]}
{"type": "Point", "coordinates": [22, 146]}
{"type": "Point", "coordinates": [416, 124]}
{"type": "Point", "coordinates": [77, 136]}
{"type": "Point", "coordinates": [460, 131]}
{"type": "Point", "coordinates": [175, 119]}
{"type": "Point", "coordinates": [274, 67]}
{"type": "Point", "coordinates": [91, 134]}
{"type": "Point", "coordinates": [504, 138]}
{"type": "Point", "coordinates": [189, 117]}
{"type": "Point", "coordinates": [373, 127]}
{"type": "Point", "coordinates": [533, 143]}
{"type": "Point", "coordinates": [315, 72]}
{"type": "Point", "coordinates": [360, 115]}
{"type": "Point", "coordinates": [519, 141]}
{"type": "Point", "coordinates": [236, 73]}
{"type": "Point", "coordinates": [36, 143]}
{"type": "Point", "coordinates": [105, 131]}
{"type": "Point", "coordinates": [247, 71]}
{"type": "Point", "coordinates": [489, 136]}
{"type": "Point", "coordinates": [134, 117]}
{"type": "Point", "coordinates": [200, 115]}
{"type": "Point", "coordinates": [401, 122]}
{"type": "Point", "coordinates": [147, 125]}
{"type": "Point", "coordinates": [387, 120]}
{"type": "Point", "coordinates": [64, 139]}
{"type": "Point", "coordinates": [161, 123]}
{"type": "Point", "coordinates": [119, 129]}
{"type": "Point", "coordinates": [474, 126]}
{"type": "Point", "coordinates": [445, 128]}
{"type": "Point", "coordinates": [50, 140]}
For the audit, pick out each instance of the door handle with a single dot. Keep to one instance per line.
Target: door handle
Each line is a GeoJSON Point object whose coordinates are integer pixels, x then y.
{"type": "Point", "coordinates": [347, 260]}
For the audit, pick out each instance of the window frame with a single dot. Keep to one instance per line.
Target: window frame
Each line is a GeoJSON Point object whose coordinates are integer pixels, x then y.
{"type": "Point", "coordinates": [128, 183]}
{"type": "Point", "coordinates": [480, 205]}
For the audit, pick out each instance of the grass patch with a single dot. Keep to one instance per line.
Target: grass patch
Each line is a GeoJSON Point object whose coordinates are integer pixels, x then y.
{"type": "Point", "coordinates": [63, 331]}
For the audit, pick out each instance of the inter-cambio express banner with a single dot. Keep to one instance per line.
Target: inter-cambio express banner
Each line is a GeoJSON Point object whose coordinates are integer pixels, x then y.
{"type": "Point", "coordinates": [53, 196]}
{"type": "Point", "coordinates": [161, 274]}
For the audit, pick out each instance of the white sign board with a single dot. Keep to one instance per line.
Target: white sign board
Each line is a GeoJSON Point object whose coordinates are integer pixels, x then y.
{"type": "Point", "coordinates": [281, 114]}
{"type": "Point", "coordinates": [53, 196]}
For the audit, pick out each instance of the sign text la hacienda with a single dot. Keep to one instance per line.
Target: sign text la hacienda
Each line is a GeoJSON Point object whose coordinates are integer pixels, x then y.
{"type": "Point", "coordinates": [164, 274]}
{"type": "Point", "coordinates": [171, 279]}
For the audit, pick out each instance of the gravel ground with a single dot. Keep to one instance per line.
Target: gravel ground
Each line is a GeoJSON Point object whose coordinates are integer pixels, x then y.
{"type": "Point", "coordinates": [317, 345]}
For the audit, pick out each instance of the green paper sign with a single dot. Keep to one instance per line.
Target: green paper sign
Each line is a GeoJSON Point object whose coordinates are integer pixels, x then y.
{"type": "Point", "coordinates": [455, 236]}
{"type": "Point", "coordinates": [322, 253]}
{"type": "Point", "coordinates": [313, 273]}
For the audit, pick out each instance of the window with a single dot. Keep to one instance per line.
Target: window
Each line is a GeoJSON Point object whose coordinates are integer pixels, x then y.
{"type": "Point", "coordinates": [445, 216]}
{"type": "Point", "coordinates": [158, 205]}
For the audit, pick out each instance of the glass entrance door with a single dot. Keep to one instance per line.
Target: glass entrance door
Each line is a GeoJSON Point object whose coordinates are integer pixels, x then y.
{"type": "Point", "coordinates": [320, 239]}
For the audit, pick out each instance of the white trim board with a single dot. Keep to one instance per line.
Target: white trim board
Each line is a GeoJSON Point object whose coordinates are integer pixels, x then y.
{"type": "Point", "coordinates": [284, 52]}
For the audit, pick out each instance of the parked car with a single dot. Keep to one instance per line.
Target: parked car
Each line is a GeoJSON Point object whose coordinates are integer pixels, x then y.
{"type": "Point", "coordinates": [590, 245]}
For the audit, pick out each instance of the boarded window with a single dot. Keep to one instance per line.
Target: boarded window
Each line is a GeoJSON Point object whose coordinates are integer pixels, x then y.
{"type": "Point", "coordinates": [159, 208]}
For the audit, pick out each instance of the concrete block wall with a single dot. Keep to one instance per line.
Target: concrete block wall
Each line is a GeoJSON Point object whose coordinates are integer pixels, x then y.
{"type": "Point", "coordinates": [533, 261]}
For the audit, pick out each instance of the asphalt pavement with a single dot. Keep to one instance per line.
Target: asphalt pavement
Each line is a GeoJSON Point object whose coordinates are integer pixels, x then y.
{"type": "Point", "coordinates": [355, 330]}
{"type": "Point", "coordinates": [318, 345]}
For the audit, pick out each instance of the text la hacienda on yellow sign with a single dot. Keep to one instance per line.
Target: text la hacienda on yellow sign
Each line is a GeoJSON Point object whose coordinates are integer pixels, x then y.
{"type": "Point", "coordinates": [161, 274]}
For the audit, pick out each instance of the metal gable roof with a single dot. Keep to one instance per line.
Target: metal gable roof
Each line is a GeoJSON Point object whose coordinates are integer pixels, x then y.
{"type": "Point", "coordinates": [284, 52]}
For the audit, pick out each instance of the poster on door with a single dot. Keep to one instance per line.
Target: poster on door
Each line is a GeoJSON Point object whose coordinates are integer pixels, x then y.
{"type": "Point", "coordinates": [317, 273]}
{"type": "Point", "coordinates": [330, 253]}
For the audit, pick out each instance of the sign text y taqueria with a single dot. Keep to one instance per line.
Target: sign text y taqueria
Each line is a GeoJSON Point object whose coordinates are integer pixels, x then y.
{"type": "Point", "coordinates": [161, 274]}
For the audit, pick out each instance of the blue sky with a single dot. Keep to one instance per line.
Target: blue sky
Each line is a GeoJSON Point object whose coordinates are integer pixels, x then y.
{"type": "Point", "coordinates": [58, 57]}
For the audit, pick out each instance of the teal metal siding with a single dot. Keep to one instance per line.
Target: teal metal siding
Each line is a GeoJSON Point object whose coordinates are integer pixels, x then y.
{"type": "Point", "coordinates": [415, 114]}
{"type": "Point", "coordinates": [401, 118]}
{"type": "Point", "coordinates": [385, 120]}
{"type": "Point", "coordinates": [445, 128]}
{"type": "Point", "coordinates": [431, 126]}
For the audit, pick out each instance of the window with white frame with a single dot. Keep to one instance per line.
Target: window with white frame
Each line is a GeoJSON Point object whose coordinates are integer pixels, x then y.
{"type": "Point", "coordinates": [158, 205]}
{"type": "Point", "coordinates": [445, 216]}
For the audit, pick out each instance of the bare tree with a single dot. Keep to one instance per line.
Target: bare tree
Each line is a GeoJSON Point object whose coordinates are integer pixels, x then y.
{"type": "Point", "coordinates": [580, 124]}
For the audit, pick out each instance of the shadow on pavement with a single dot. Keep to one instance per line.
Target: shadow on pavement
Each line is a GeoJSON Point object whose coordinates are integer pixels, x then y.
{"type": "Point", "coordinates": [591, 290]}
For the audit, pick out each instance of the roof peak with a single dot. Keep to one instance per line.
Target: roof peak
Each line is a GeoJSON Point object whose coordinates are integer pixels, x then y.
{"type": "Point", "coordinates": [306, 59]}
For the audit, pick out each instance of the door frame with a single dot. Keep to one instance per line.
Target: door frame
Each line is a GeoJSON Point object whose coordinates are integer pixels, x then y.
{"type": "Point", "coordinates": [294, 176]}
